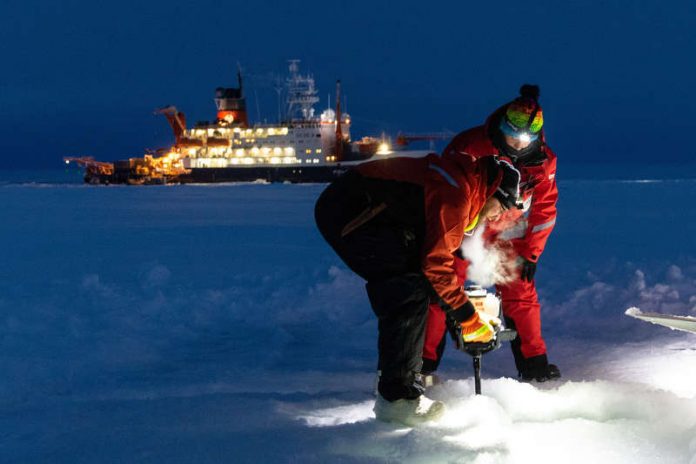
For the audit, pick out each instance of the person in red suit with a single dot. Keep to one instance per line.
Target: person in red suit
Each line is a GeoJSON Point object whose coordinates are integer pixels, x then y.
{"type": "Point", "coordinates": [514, 132]}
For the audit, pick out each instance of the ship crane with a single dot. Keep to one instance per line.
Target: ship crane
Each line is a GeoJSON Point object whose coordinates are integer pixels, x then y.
{"type": "Point", "coordinates": [91, 166]}
{"type": "Point", "coordinates": [402, 140]}
{"type": "Point", "coordinates": [176, 120]}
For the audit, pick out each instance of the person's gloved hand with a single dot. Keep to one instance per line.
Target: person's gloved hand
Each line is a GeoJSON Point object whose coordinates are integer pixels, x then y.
{"type": "Point", "coordinates": [480, 327]}
{"type": "Point", "coordinates": [527, 270]}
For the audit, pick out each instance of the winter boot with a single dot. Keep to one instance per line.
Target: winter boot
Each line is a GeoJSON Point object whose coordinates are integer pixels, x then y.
{"type": "Point", "coordinates": [538, 369]}
{"type": "Point", "coordinates": [408, 412]}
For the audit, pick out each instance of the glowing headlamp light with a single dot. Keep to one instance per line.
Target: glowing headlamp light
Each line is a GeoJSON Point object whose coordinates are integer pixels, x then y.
{"type": "Point", "coordinates": [523, 135]}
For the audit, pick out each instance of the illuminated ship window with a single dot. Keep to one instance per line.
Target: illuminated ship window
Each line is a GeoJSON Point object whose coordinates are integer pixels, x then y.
{"type": "Point", "coordinates": [318, 150]}
{"type": "Point", "coordinates": [308, 151]}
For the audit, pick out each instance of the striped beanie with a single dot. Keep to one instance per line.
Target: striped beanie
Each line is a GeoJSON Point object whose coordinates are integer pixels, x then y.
{"type": "Point", "coordinates": [523, 116]}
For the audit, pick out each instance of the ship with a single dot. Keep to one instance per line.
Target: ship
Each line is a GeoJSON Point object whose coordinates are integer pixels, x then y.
{"type": "Point", "coordinates": [302, 147]}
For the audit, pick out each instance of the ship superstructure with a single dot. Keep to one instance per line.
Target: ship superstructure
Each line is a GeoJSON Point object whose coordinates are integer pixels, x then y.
{"type": "Point", "coordinates": [300, 139]}
{"type": "Point", "coordinates": [301, 147]}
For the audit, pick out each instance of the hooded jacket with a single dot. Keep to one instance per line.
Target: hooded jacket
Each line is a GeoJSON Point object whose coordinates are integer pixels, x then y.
{"type": "Point", "coordinates": [538, 185]}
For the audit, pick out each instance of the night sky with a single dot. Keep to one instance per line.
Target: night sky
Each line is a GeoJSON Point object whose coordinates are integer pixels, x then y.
{"type": "Point", "coordinates": [618, 79]}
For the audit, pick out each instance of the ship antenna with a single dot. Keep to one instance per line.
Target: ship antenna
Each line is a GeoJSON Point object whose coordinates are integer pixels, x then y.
{"type": "Point", "coordinates": [339, 132]}
{"type": "Point", "coordinates": [279, 90]}
{"type": "Point", "coordinates": [239, 79]}
{"type": "Point", "coordinates": [258, 108]}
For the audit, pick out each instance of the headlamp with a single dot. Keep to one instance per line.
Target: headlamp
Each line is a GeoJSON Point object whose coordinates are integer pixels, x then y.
{"type": "Point", "coordinates": [524, 135]}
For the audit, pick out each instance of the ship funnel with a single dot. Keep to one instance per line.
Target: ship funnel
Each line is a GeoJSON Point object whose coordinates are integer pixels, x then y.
{"type": "Point", "coordinates": [231, 104]}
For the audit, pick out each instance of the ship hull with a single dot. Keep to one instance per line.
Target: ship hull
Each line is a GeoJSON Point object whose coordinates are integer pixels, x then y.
{"type": "Point", "coordinates": [294, 174]}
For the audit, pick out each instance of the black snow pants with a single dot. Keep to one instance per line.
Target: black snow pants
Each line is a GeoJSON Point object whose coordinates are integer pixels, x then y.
{"type": "Point", "coordinates": [376, 227]}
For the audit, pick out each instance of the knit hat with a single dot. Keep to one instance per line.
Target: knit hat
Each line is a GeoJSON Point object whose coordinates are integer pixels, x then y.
{"type": "Point", "coordinates": [508, 192]}
{"type": "Point", "coordinates": [523, 116]}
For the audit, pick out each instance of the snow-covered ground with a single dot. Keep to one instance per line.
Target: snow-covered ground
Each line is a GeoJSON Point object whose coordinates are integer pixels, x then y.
{"type": "Point", "coordinates": [212, 324]}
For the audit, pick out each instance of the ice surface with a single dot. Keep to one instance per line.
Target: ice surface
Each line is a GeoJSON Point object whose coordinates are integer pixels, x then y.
{"type": "Point", "coordinates": [212, 324]}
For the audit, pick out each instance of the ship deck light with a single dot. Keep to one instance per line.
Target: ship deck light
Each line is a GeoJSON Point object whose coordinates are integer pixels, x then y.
{"type": "Point", "coordinates": [383, 149]}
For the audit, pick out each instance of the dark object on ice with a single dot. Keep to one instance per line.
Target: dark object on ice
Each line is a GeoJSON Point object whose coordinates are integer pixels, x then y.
{"type": "Point", "coordinates": [538, 369]}
{"type": "Point", "coordinates": [477, 350]}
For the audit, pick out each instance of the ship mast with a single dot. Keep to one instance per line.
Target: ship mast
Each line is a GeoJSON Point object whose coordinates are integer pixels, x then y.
{"type": "Point", "coordinates": [302, 94]}
{"type": "Point", "coordinates": [339, 132]}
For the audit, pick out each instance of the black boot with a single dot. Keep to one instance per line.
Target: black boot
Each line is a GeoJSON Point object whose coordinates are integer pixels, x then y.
{"type": "Point", "coordinates": [538, 369]}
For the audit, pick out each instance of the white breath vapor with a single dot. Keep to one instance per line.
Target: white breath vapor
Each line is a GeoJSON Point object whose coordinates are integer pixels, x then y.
{"type": "Point", "coordinates": [489, 263]}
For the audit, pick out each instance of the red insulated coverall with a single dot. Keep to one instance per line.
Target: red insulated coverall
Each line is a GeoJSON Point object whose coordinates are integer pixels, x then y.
{"type": "Point", "coordinates": [528, 235]}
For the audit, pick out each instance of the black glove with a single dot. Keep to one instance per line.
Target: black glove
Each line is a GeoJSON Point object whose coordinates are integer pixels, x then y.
{"type": "Point", "coordinates": [528, 270]}
{"type": "Point", "coordinates": [463, 313]}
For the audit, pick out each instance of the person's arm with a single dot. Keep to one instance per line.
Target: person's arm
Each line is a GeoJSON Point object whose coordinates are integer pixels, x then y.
{"type": "Point", "coordinates": [448, 211]}
{"type": "Point", "coordinates": [542, 215]}
{"type": "Point", "coordinates": [445, 218]}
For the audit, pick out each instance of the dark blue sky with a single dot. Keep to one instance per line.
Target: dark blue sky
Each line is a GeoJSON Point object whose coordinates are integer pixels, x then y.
{"type": "Point", "coordinates": [618, 79]}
